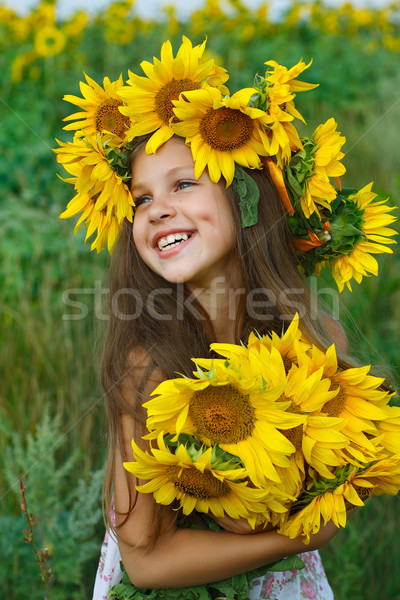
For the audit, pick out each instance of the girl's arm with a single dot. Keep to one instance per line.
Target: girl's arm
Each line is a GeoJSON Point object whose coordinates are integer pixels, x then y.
{"type": "Point", "coordinates": [184, 557]}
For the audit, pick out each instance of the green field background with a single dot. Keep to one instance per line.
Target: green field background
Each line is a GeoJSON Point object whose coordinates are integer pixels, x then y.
{"type": "Point", "coordinates": [52, 426]}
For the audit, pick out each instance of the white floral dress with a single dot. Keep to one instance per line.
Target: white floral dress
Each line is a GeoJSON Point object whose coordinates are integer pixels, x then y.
{"type": "Point", "coordinates": [307, 583]}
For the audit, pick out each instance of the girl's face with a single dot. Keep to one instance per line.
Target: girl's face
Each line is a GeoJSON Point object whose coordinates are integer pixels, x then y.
{"type": "Point", "coordinates": [183, 228]}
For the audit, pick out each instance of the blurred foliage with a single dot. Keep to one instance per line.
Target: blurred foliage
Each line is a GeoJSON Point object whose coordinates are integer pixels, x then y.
{"type": "Point", "coordinates": [67, 511]}
{"type": "Point", "coordinates": [51, 285]}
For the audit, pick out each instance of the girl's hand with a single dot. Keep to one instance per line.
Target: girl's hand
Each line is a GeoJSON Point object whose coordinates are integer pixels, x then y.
{"type": "Point", "coordinates": [240, 526]}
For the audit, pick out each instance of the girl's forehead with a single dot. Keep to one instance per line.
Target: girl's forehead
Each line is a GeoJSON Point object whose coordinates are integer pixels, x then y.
{"type": "Point", "coordinates": [173, 156]}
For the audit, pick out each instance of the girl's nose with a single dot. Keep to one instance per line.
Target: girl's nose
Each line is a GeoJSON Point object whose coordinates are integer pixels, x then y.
{"type": "Point", "coordinates": [162, 207]}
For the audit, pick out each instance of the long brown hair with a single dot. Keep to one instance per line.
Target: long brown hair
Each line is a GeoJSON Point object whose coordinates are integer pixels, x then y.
{"type": "Point", "coordinates": [269, 273]}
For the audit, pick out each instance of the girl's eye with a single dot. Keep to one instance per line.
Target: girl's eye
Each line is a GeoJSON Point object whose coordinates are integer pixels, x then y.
{"type": "Point", "coordinates": [141, 200]}
{"type": "Point", "coordinates": [181, 185]}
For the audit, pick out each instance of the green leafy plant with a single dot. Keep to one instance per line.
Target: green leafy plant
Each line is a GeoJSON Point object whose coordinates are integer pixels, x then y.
{"type": "Point", "coordinates": [67, 509]}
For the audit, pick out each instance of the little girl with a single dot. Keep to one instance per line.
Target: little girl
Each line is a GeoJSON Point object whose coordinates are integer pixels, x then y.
{"type": "Point", "coordinates": [207, 256]}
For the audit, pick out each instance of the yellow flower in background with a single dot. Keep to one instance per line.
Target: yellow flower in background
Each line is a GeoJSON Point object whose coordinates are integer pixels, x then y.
{"type": "Point", "coordinates": [195, 484]}
{"type": "Point", "coordinates": [221, 131]}
{"type": "Point", "coordinates": [364, 17]}
{"type": "Point", "coordinates": [20, 27]}
{"type": "Point", "coordinates": [229, 409]}
{"type": "Point", "coordinates": [149, 100]}
{"type": "Point", "coordinates": [101, 109]}
{"type": "Point", "coordinates": [173, 22]}
{"type": "Point", "coordinates": [76, 25]}
{"type": "Point", "coordinates": [43, 15]}
{"type": "Point", "coordinates": [102, 196]}
{"type": "Point", "coordinates": [375, 236]}
{"type": "Point", "coordinates": [49, 41]}
{"type": "Point", "coordinates": [391, 43]}
{"type": "Point", "coordinates": [19, 65]}
{"type": "Point", "coordinates": [120, 31]}
{"type": "Point", "coordinates": [327, 156]}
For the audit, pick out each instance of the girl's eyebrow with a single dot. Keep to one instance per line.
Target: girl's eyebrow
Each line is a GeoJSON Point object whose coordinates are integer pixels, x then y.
{"type": "Point", "coordinates": [138, 186]}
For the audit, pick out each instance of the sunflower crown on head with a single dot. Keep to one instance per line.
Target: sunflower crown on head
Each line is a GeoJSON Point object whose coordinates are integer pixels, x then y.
{"type": "Point", "coordinates": [185, 95]}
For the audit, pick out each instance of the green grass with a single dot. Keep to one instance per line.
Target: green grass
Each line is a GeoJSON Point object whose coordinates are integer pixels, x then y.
{"type": "Point", "coordinates": [361, 562]}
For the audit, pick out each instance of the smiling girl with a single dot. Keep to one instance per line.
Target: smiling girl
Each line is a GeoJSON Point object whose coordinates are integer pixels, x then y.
{"type": "Point", "coordinates": [191, 198]}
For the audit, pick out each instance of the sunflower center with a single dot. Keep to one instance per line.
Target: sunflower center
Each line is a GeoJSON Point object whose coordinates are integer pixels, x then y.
{"type": "Point", "coordinates": [196, 484]}
{"type": "Point", "coordinates": [335, 406]}
{"type": "Point", "coordinates": [171, 91]}
{"type": "Point", "coordinates": [363, 493]}
{"type": "Point", "coordinates": [287, 363]}
{"type": "Point", "coordinates": [108, 118]}
{"type": "Point", "coordinates": [295, 434]}
{"type": "Point", "coordinates": [226, 128]}
{"type": "Point", "coordinates": [93, 199]}
{"type": "Point", "coordinates": [223, 414]}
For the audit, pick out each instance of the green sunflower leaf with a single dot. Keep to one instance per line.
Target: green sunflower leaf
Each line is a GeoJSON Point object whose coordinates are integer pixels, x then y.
{"type": "Point", "coordinates": [249, 194]}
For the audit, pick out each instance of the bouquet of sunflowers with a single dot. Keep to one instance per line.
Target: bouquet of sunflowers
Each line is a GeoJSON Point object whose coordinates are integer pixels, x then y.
{"type": "Point", "coordinates": [273, 432]}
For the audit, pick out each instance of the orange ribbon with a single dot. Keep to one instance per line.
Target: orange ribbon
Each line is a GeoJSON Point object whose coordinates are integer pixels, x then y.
{"type": "Point", "coordinates": [306, 245]}
{"type": "Point", "coordinates": [277, 178]}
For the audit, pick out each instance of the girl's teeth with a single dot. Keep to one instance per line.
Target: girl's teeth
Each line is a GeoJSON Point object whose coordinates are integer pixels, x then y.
{"type": "Point", "coordinates": [172, 240]}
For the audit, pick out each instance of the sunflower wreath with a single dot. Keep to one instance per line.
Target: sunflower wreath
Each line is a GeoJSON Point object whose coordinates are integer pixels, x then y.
{"type": "Point", "coordinates": [186, 95]}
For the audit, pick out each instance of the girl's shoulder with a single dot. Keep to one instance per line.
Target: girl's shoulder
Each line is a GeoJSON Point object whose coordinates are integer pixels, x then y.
{"type": "Point", "coordinates": [141, 364]}
{"type": "Point", "coordinates": [336, 332]}
{"type": "Point", "coordinates": [142, 376]}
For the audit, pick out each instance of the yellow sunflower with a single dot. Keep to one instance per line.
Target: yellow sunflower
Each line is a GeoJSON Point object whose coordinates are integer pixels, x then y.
{"type": "Point", "coordinates": [351, 487]}
{"type": "Point", "coordinates": [360, 401]}
{"type": "Point", "coordinates": [101, 109]}
{"type": "Point", "coordinates": [276, 505]}
{"type": "Point", "coordinates": [107, 227]}
{"type": "Point", "coordinates": [289, 343]}
{"type": "Point", "coordinates": [283, 134]}
{"type": "Point", "coordinates": [281, 90]}
{"type": "Point", "coordinates": [359, 263]}
{"type": "Point", "coordinates": [318, 438]}
{"type": "Point", "coordinates": [281, 496]}
{"type": "Point", "coordinates": [227, 408]}
{"type": "Point", "coordinates": [49, 41]}
{"type": "Point", "coordinates": [149, 99]}
{"type": "Point", "coordinates": [283, 76]}
{"type": "Point", "coordinates": [286, 344]}
{"type": "Point", "coordinates": [102, 196]}
{"type": "Point", "coordinates": [388, 430]}
{"type": "Point", "coordinates": [326, 164]}
{"type": "Point", "coordinates": [195, 484]}
{"type": "Point", "coordinates": [221, 131]}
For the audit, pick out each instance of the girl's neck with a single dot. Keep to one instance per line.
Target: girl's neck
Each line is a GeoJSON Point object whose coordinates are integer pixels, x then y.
{"type": "Point", "coordinates": [221, 300]}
